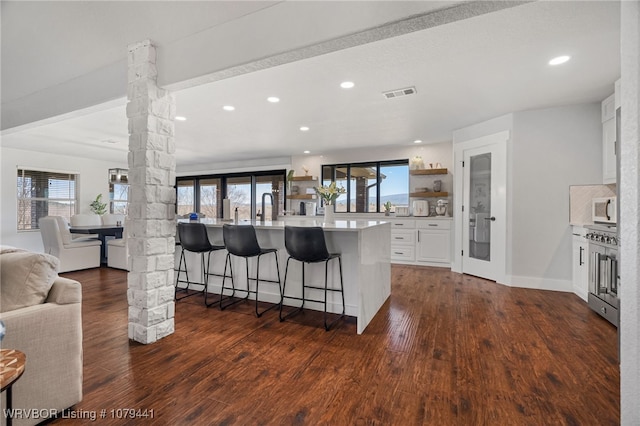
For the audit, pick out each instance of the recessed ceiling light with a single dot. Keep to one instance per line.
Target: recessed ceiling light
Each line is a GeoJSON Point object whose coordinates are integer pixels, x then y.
{"type": "Point", "coordinates": [347, 84]}
{"type": "Point", "coordinates": [559, 60]}
{"type": "Point", "coordinates": [304, 128]}
{"type": "Point", "coordinates": [273, 99]}
{"type": "Point", "coordinates": [228, 108]}
{"type": "Point", "coordinates": [109, 141]}
{"type": "Point", "coordinates": [180, 118]}
{"type": "Point", "coordinates": [417, 141]}
{"type": "Point", "coordinates": [307, 152]}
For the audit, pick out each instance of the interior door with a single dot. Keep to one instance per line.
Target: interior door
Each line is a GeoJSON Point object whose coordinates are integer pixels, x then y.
{"type": "Point", "coordinates": [484, 211]}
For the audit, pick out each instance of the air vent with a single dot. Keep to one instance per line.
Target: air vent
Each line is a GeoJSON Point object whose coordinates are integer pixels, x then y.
{"type": "Point", "coordinates": [399, 92]}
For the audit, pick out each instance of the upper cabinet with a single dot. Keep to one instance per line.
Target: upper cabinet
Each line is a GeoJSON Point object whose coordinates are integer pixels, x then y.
{"type": "Point", "coordinates": [609, 140]}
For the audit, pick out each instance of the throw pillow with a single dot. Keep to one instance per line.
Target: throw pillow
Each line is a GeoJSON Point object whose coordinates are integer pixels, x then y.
{"type": "Point", "coordinates": [26, 278]}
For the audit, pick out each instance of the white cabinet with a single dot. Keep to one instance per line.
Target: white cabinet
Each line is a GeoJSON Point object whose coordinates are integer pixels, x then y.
{"type": "Point", "coordinates": [403, 240]}
{"type": "Point", "coordinates": [433, 242]}
{"type": "Point", "coordinates": [609, 140]}
{"type": "Point", "coordinates": [421, 241]}
{"type": "Point", "coordinates": [580, 264]}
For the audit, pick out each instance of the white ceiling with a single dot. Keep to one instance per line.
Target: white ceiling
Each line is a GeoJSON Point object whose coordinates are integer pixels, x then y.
{"type": "Point", "coordinates": [464, 72]}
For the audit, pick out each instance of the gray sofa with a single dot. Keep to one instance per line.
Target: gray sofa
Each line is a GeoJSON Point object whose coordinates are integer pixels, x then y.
{"type": "Point", "coordinates": [43, 318]}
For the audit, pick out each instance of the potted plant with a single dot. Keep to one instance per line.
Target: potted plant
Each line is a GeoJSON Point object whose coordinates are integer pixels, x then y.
{"type": "Point", "coordinates": [97, 206]}
{"type": "Point", "coordinates": [387, 208]}
{"type": "Point", "coordinates": [329, 194]}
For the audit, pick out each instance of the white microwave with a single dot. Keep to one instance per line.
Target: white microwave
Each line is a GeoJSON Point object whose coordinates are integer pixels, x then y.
{"type": "Point", "coordinates": [603, 210]}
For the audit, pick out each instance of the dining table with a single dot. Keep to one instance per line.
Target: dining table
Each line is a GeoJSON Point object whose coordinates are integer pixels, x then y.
{"type": "Point", "coordinates": [103, 231]}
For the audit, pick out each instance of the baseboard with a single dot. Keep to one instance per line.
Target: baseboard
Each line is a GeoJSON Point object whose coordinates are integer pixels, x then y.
{"type": "Point", "coordinates": [540, 283]}
{"type": "Point", "coordinates": [581, 293]}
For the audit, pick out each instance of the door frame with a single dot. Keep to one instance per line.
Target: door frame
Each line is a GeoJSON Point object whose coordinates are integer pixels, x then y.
{"type": "Point", "coordinates": [500, 141]}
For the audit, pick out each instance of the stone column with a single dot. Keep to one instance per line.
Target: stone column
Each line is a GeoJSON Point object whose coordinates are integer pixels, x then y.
{"type": "Point", "coordinates": [151, 217]}
{"type": "Point", "coordinates": [629, 227]}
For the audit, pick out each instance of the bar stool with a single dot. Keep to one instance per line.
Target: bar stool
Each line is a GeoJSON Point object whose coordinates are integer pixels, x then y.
{"type": "Point", "coordinates": [241, 241]}
{"type": "Point", "coordinates": [193, 237]}
{"type": "Point", "coordinates": [308, 245]}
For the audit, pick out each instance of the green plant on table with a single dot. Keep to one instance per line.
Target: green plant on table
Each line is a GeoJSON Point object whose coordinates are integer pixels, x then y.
{"type": "Point", "coordinates": [97, 206]}
{"type": "Point", "coordinates": [387, 206]}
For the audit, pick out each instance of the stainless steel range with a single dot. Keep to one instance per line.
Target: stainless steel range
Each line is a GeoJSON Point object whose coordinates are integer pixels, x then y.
{"type": "Point", "coordinates": [603, 271]}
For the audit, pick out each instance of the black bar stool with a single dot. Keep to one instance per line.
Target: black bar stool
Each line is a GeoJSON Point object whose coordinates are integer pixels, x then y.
{"type": "Point", "coordinates": [307, 245]}
{"type": "Point", "coordinates": [241, 241]}
{"type": "Point", "coordinates": [194, 238]}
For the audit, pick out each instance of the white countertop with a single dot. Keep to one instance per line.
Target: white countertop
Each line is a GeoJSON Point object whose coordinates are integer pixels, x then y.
{"type": "Point", "coordinates": [338, 225]}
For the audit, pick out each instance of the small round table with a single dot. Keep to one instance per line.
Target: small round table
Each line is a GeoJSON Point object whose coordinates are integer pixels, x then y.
{"type": "Point", "coordinates": [11, 368]}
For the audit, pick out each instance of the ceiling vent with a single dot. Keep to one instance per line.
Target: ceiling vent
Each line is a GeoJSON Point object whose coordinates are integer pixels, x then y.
{"type": "Point", "coordinates": [399, 92]}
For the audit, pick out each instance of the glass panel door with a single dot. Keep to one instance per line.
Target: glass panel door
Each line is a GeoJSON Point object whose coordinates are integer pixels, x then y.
{"type": "Point", "coordinates": [480, 207]}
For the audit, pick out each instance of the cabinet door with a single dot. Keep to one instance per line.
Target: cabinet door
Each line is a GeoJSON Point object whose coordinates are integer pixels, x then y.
{"type": "Point", "coordinates": [433, 246]}
{"type": "Point", "coordinates": [609, 151]}
{"type": "Point", "coordinates": [580, 267]}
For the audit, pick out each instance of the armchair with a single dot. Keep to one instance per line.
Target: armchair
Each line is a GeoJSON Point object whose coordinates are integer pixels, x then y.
{"type": "Point", "coordinates": [73, 254]}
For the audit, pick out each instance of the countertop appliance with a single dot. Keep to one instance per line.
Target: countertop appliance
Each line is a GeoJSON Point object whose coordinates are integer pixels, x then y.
{"type": "Point", "coordinates": [310, 208]}
{"type": "Point", "coordinates": [604, 210]}
{"type": "Point", "coordinates": [604, 278]}
{"type": "Point", "coordinates": [403, 211]}
{"type": "Point", "coordinates": [420, 208]}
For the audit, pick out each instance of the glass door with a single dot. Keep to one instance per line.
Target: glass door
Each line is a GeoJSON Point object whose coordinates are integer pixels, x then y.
{"type": "Point", "coordinates": [484, 211]}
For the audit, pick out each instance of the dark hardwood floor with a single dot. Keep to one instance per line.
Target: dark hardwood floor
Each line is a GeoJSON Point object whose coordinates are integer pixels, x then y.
{"type": "Point", "coordinates": [446, 349]}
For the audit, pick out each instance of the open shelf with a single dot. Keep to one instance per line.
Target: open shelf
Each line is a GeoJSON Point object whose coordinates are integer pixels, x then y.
{"type": "Point", "coordinates": [428, 194]}
{"type": "Point", "coordinates": [428, 172]}
{"type": "Point", "coordinates": [303, 179]}
{"type": "Point", "coordinates": [301, 197]}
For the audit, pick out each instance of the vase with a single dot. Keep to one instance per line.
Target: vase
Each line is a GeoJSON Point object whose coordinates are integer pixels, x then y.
{"type": "Point", "coordinates": [329, 214]}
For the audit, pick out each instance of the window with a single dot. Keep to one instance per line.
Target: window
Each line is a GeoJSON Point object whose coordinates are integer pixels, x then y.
{"type": "Point", "coordinates": [42, 193]}
{"type": "Point", "coordinates": [185, 196]}
{"type": "Point", "coordinates": [118, 191]}
{"type": "Point", "coordinates": [239, 194]}
{"type": "Point", "coordinates": [210, 197]}
{"type": "Point", "coordinates": [204, 194]}
{"type": "Point", "coordinates": [369, 185]}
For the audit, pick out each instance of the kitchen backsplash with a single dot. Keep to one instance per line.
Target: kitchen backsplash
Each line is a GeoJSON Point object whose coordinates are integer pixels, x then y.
{"type": "Point", "coordinates": [580, 201]}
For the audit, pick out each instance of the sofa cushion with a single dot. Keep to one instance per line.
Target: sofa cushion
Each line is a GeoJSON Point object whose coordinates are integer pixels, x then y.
{"type": "Point", "coordinates": [9, 249]}
{"type": "Point", "coordinates": [26, 278]}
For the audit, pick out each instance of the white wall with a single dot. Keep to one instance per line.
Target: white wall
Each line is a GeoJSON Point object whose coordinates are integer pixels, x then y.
{"type": "Point", "coordinates": [93, 181]}
{"type": "Point", "coordinates": [550, 149]}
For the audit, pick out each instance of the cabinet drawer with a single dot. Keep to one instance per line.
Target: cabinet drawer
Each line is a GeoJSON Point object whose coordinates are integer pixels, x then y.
{"type": "Point", "coordinates": [405, 253]}
{"type": "Point", "coordinates": [433, 224]}
{"type": "Point", "coordinates": [403, 236]}
{"type": "Point", "coordinates": [403, 224]}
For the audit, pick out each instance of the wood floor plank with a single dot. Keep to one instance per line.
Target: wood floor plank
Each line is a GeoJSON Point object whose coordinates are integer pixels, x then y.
{"type": "Point", "coordinates": [445, 349]}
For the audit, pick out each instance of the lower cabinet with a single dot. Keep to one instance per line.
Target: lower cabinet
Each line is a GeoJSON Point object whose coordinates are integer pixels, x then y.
{"type": "Point", "coordinates": [580, 263]}
{"type": "Point", "coordinates": [421, 241]}
{"type": "Point", "coordinates": [433, 241]}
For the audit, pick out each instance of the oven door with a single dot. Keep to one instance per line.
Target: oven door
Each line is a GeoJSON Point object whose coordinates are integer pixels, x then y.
{"type": "Point", "coordinates": [603, 274]}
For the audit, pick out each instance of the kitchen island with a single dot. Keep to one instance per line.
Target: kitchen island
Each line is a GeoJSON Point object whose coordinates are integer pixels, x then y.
{"type": "Point", "coordinates": [365, 249]}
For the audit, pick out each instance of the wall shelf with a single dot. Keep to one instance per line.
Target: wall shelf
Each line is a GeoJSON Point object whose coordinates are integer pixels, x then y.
{"type": "Point", "coordinates": [301, 197]}
{"type": "Point", "coordinates": [303, 179]}
{"type": "Point", "coordinates": [428, 172]}
{"type": "Point", "coordinates": [428, 194]}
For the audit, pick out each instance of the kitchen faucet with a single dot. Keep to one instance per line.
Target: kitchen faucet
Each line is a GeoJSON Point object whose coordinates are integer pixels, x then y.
{"type": "Point", "coordinates": [264, 195]}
